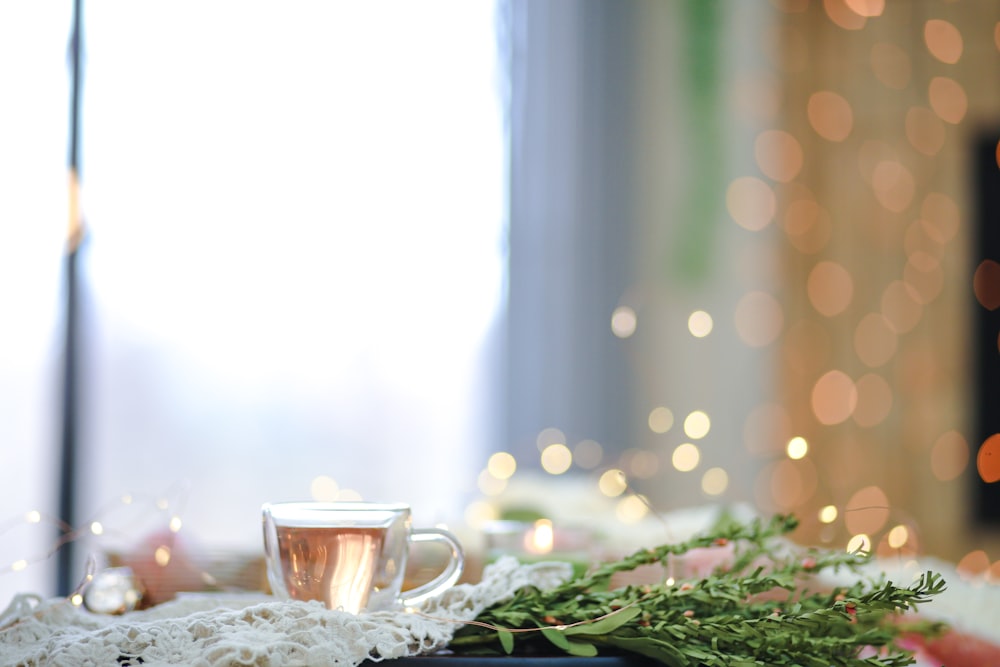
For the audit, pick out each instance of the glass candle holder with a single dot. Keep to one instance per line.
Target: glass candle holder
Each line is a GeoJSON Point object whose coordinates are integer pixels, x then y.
{"type": "Point", "coordinates": [537, 541]}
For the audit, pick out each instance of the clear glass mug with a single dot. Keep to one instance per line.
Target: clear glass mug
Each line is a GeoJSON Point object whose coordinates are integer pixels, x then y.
{"type": "Point", "coordinates": [350, 555]}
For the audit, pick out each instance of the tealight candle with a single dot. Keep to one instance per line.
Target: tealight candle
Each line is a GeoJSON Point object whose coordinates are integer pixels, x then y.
{"type": "Point", "coordinates": [532, 542]}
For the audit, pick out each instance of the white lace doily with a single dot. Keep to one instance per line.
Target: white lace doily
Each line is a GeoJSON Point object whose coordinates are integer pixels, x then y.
{"type": "Point", "coordinates": [210, 630]}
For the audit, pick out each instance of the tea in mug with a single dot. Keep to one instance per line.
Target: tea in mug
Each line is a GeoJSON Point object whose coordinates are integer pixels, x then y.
{"type": "Point", "coordinates": [336, 565]}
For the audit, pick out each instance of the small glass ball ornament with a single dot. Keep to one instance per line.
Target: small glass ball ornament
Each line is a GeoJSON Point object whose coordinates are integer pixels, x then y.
{"type": "Point", "coordinates": [115, 590]}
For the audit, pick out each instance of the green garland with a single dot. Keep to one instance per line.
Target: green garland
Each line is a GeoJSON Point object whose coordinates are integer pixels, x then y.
{"type": "Point", "coordinates": [729, 619]}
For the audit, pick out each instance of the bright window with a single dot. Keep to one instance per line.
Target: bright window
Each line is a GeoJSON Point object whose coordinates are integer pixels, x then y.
{"type": "Point", "coordinates": [295, 256]}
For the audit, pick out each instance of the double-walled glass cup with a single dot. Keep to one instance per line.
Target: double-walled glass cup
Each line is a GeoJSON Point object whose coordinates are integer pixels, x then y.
{"type": "Point", "coordinates": [350, 555]}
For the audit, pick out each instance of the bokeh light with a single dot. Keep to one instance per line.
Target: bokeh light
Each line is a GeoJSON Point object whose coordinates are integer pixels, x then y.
{"type": "Point", "coordinates": [502, 465]}
{"type": "Point", "coordinates": [943, 40]}
{"type": "Point", "coordinates": [973, 565]}
{"type": "Point", "coordinates": [588, 454]}
{"type": "Point", "coordinates": [807, 225]}
{"type": "Point", "coordinates": [623, 322]}
{"type": "Point", "coordinates": [988, 459]}
{"type": "Point", "coordinates": [948, 99]}
{"type": "Point", "coordinates": [700, 324]}
{"type": "Point", "coordinates": [986, 284]}
{"type": "Point", "coordinates": [549, 436]}
{"type": "Point", "coordinates": [612, 483]}
{"type": "Point", "coordinates": [686, 457]}
{"type": "Point", "coordinates": [489, 485]}
{"type": "Point", "coordinates": [715, 481]}
{"type": "Point", "coordinates": [797, 448]}
{"type": "Point", "coordinates": [324, 488]}
{"type": "Point", "coordinates": [828, 514]}
{"type": "Point", "coordinates": [642, 464]}
{"type": "Point", "coordinates": [751, 203]}
{"type": "Point", "coordinates": [834, 397]}
{"type": "Point", "coordinates": [786, 484]}
{"type": "Point", "coordinates": [875, 342]}
{"type": "Point", "coordinates": [866, 8]}
{"type": "Point", "coordinates": [874, 400]}
{"type": "Point", "coordinates": [894, 185]}
{"type": "Point", "coordinates": [631, 509]}
{"type": "Point", "coordinates": [830, 115]}
{"type": "Point", "coordinates": [949, 456]}
{"type": "Point", "coordinates": [162, 555]}
{"type": "Point", "coordinates": [899, 535]}
{"type": "Point", "coordinates": [843, 15]}
{"type": "Point", "coordinates": [759, 318]}
{"type": "Point", "coordinates": [697, 425]}
{"type": "Point", "coordinates": [859, 543]}
{"type": "Point", "coordinates": [779, 155]}
{"type": "Point", "coordinates": [830, 288]}
{"type": "Point", "coordinates": [556, 459]}
{"type": "Point", "coordinates": [867, 511]}
{"type": "Point", "coordinates": [478, 513]}
{"type": "Point", "coordinates": [661, 419]}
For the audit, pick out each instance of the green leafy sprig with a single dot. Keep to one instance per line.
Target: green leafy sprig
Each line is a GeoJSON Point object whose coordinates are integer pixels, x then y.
{"type": "Point", "coordinates": [757, 610]}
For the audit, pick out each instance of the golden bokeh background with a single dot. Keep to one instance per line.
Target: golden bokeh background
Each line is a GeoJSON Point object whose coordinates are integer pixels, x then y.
{"type": "Point", "coordinates": [874, 190]}
{"type": "Point", "coordinates": [846, 251]}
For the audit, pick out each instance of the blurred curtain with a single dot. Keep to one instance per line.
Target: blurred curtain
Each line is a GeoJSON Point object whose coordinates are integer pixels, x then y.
{"type": "Point", "coordinates": [623, 140]}
{"type": "Point", "coordinates": [571, 234]}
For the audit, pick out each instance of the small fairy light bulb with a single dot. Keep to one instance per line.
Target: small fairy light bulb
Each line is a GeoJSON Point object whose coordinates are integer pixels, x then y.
{"type": "Point", "coordinates": [797, 448]}
{"type": "Point", "coordinates": [175, 524]}
{"type": "Point", "coordinates": [700, 324]}
{"type": "Point", "coordinates": [162, 555]}
{"type": "Point", "coordinates": [126, 499]}
{"type": "Point", "coordinates": [18, 565]}
{"type": "Point", "coordinates": [898, 537]}
{"type": "Point", "coordinates": [859, 543]}
{"type": "Point", "coordinates": [96, 528]}
{"type": "Point", "coordinates": [623, 322]}
{"type": "Point", "coordinates": [76, 600]}
{"type": "Point", "coordinates": [34, 516]}
{"type": "Point", "coordinates": [612, 483]}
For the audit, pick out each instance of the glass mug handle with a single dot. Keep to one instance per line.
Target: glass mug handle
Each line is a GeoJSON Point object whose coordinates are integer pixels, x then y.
{"type": "Point", "coordinates": [447, 578]}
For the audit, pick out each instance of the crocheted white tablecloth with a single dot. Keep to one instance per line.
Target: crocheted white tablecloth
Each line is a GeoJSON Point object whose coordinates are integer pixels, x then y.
{"type": "Point", "coordinates": [217, 630]}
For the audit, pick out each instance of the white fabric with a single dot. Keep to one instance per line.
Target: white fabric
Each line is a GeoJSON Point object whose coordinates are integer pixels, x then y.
{"type": "Point", "coordinates": [209, 631]}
